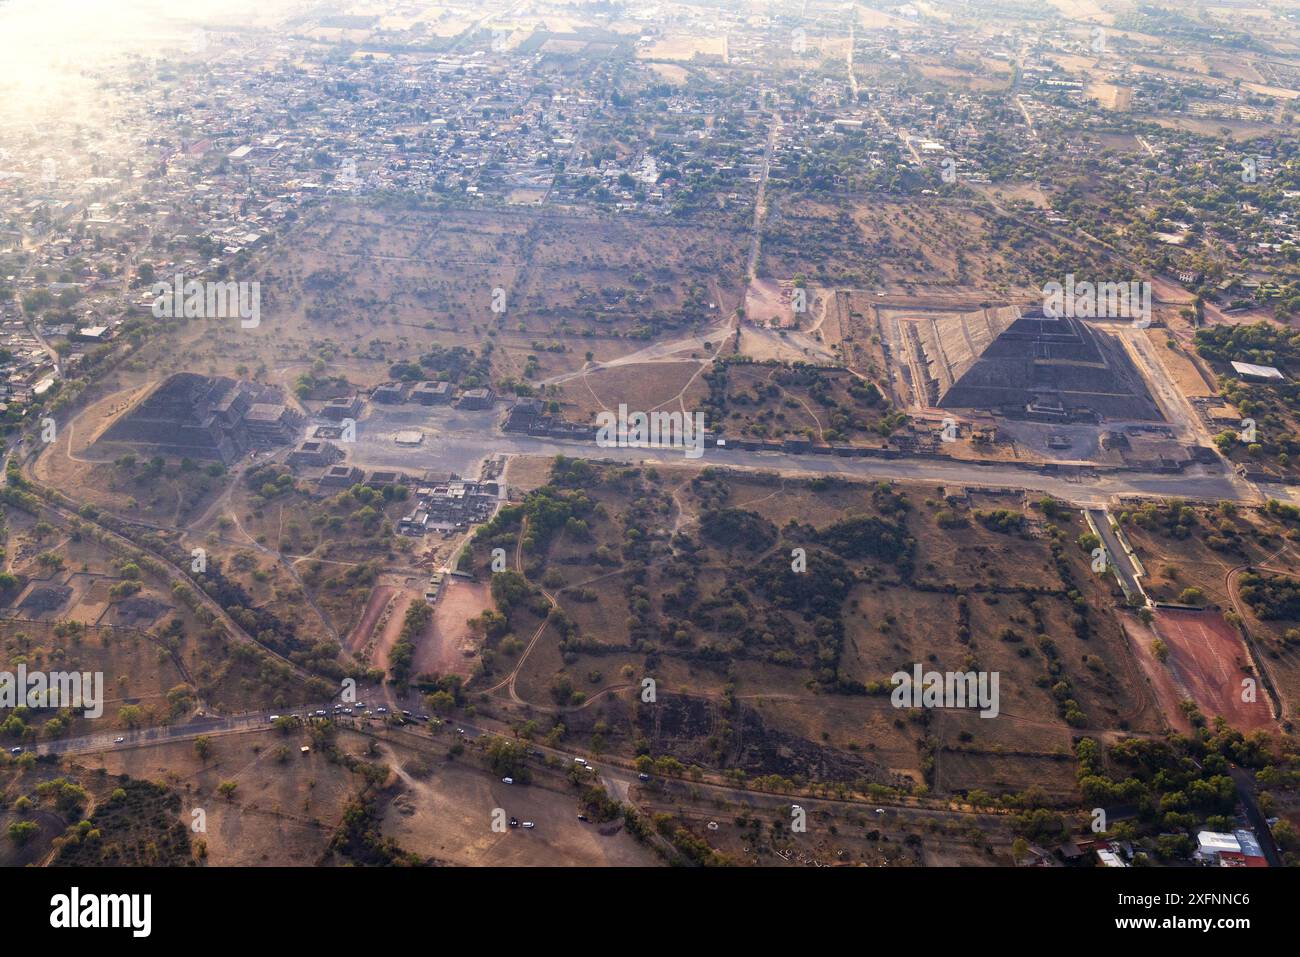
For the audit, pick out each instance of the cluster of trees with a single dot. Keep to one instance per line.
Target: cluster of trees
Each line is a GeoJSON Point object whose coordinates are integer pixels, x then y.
{"type": "Point", "coordinates": [547, 510]}
{"type": "Point", "coordinates": [1176, 784]}
{"type": "Point", "coordinates": [456, 364]}
{"type": "Point", "coordinates": [1175, 518]}
{"type": "Point", "coordinates": [737, 528]}
{"type": "Point", "coordinates": [417, 618]}
{"type": "Point", "coordinates": [870, 537]}
{"type": "Point", "coordinates": [1273, 405]}
{"type": "Point", "coordinates": [1004, 520]}
{"type": "Point", "coordinates": [1271, 597]}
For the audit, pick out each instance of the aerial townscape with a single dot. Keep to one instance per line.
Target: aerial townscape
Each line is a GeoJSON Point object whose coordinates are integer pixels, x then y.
{"type": "Point", "coordinates": [716, 433]}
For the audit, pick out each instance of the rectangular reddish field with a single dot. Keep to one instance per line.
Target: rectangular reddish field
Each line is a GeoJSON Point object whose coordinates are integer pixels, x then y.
{"type": "Point", "coordinates": [1208, 658]}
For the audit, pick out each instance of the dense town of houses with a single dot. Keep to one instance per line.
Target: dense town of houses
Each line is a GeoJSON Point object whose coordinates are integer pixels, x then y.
{"type": "Point", "coordinates": [200, 165]}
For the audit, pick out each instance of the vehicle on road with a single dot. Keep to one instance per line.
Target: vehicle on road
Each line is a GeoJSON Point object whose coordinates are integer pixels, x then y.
{"type": "Point", "coordinates": [507, 780]}
{"type": "Point", "coordinates": [118, 740]}
{"type": "Point", "coordinates": [529, 824]}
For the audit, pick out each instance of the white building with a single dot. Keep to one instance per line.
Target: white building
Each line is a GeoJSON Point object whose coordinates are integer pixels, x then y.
{"type": "Point", "coordinates": [1210, 844]}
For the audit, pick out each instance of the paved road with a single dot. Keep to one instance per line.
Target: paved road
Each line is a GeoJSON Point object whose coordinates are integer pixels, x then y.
{"type": "Point", "coordinates": [209, 725]}
{"type": "Point", "coordinates": [107, 741]}
{"type": "Point", "coordinates": [458, 441]}
{"type": "Point", "coordinates": [1116, 557]}
{"type": "Point", "coordinates": [1245, 782]}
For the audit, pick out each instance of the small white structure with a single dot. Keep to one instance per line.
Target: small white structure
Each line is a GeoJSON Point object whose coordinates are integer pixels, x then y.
{"type": "Point", "coordinates": [1248, 370]}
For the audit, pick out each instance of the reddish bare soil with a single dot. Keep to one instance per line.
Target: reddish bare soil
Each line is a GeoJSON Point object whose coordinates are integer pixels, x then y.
{"type": "Point", "coordinates": [379, 598]}
{"type": "Point", "coordinates": [1167, 693]}
{"type": "Point", "coordinates": [1208, 660]}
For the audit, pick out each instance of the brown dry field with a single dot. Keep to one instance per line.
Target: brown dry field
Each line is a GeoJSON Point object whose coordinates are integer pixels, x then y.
{"type": "Point", "coordinates": [888, 628]}
{"type": "Point", "coordinates": [642, 386]}
{"type": "Point", "coordinates": [685, 48]}
{"type": "Point", "coordinates": [753, 414]}
{"type": "Point", "coordinates": [281, 814]}
{"type": "Point", "coordinates": [440, 648]}
{"type": "Point", "coordinates": [91, 570]}
{"type": "Point", "coordinates": [992, 771]}
{"type": "Point", "coordinates": [1083, 10]}
{"type": "Point", "coordinates": [136, 671]}
{"type": "Point", "coordinates": [786, 345]}
{"type": "Point", "coordinates": [671, 73]}
{"type": "Point", "coordinates": [428, 276]}
{"type": "Point", "coordinates": [447, 813]}
{"type": "Point", "coordinates": [378, 644]}
{"type": "Point", "coordinates": [287, 805]}
{"type": "Point", "coordinates": [268, 582]}
{"type": "Point", "coordinates": [984, 77]}
{"type": "Point", "coordinates": [527, 472]}
{"type": "Point", "coordinates": [924, 240]}
{"type": "Point", "coordinates": [1168, 695]}
{"type": "Point", "coordinates": [1180, 367]}
{"type": "Point", "coordinates": [838, 835]}
{"type": "Point", "coordinates": [1013, 193]}
{"type": "Point", "coordinates": [1238, 130]}
{"type": "Point", "coordinates": [872, 19]}
{"type": "Point", "coordinates": [769, 302]}
{"type": "Point", "coordinates": [1111, 97]}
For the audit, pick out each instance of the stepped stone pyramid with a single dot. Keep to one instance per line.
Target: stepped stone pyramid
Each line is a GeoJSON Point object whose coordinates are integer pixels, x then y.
{"type": "Point", "coordinates": [205, 417]}
{"type": "Point", "coordinates": [1022, 363]}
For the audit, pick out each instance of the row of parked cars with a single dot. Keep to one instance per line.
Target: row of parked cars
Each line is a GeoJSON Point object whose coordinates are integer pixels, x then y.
{"type": "Point", "coordinates": [358, 708]}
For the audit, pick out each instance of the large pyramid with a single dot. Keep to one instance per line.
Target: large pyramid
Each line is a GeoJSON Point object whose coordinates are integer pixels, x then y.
{"type": "Point", "coordinates": [201, 417]}
{"type": "Point", "coordinates": [1022, 363]}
